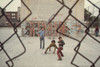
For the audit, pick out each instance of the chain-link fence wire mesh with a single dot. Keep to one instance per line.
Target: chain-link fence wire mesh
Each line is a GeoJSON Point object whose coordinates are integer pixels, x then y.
{"type": "Point", "coordinates": [11, 64]}
{"type": "Point", "coordinates": [93, 14]}
{"type": "Point", "coordinates": [77, 48]}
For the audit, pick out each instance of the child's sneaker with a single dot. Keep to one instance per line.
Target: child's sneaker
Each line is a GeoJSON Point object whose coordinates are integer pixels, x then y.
{"type": "Point", "coordinates": [60, 59]}
{"type": "Point", "coordinates": [62, 55]}
{"type": "Point", "coordinates": [45, 52]}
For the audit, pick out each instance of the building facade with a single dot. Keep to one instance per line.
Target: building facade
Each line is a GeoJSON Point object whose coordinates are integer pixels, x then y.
{"type": "Point", "coordinates": [13, 17]}
{"type": "Point", "coordinates": [32, 28]}
{"type": "Point", "coordinates": [43, 10]}
{"type": "Point", "coordinates": [2, 19]}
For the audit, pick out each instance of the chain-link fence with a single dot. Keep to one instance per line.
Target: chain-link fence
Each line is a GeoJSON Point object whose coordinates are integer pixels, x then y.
{"type": "Point", "coordinates": [70, 11]}
{"type": "Point", "coordinates": [77, 48]}
{"type": "Point", "coordinates": [93, 13]}
{"type": "Point", "coordinates": [2, 44]}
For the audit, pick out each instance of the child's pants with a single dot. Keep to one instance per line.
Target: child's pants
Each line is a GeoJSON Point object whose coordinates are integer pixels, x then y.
{"type": "Point", "coordinates": [96, 33]}
{"type": "Point", "coordinates": [59, 53]}
{"type": "Point", "coordinates": [42, 39]}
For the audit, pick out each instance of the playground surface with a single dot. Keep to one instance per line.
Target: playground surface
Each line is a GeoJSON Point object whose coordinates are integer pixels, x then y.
{"type": "Point", "coordinates": [35, 57]}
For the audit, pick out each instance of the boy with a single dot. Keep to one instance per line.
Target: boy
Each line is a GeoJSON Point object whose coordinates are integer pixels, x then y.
{"type": "Point", "coordinates": [61, 43]}
{"type": "Point", "coordinates": [52, 45]}
{"type": "Point", "coordinates": [41, 34]}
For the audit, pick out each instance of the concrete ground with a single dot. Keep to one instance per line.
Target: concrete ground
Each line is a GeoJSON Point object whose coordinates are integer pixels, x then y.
{"type": "Point", "coordinates": [35, 57]}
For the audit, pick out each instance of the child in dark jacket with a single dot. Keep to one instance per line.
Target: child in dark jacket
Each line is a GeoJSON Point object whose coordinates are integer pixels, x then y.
{"type": "Point", "coordinates": [59, 52]}
{"type": "Point", "coordinates": [51, 45]}
{"type": "Point", "coordinates": [96, 31]}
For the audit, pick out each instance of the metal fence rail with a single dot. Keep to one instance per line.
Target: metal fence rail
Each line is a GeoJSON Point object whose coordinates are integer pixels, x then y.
{"type": "Point", "coordinates": [15, 33]}
{"type": "Point", "coordinates": [86, 31]}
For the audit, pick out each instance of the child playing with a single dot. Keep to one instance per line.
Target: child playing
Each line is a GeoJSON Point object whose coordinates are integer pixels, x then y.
{"type": "Point", "coordinates": [52, 45]}
{"type": "Point", "coordinates": [61, 43]}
